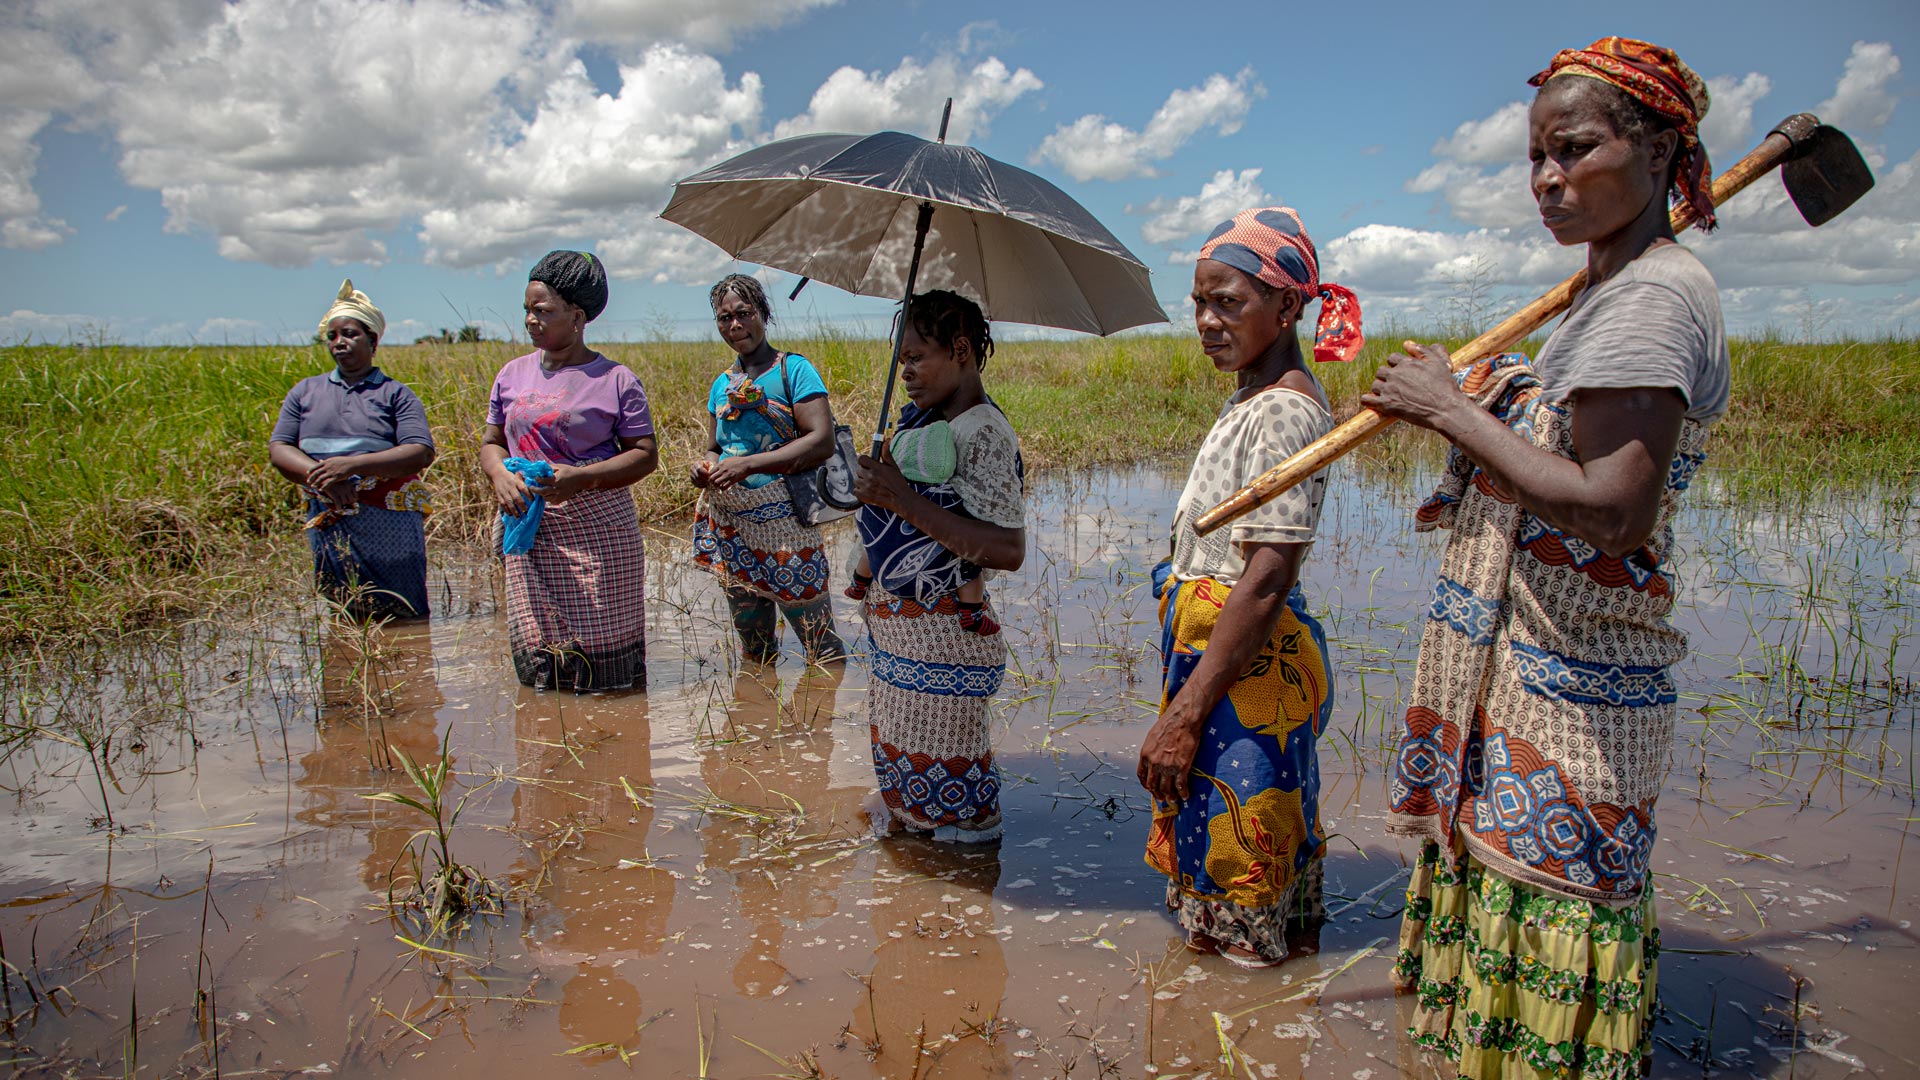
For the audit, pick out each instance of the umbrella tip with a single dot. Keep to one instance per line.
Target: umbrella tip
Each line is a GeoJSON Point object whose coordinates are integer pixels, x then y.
{"type": "Point", "coordinates": [945, 115]}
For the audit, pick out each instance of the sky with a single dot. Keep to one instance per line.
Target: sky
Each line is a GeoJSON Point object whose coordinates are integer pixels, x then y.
{"type": "Point", "coordinates": [176, 171]}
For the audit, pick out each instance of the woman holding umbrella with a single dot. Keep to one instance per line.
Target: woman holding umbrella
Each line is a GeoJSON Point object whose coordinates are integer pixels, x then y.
{"type": "Point", "coordinates": [576, 601]}
{"type": "Point", "coordinates": [1231, 763]}
{"type": "Point", "coordinates": [767, 415]}
{"type": "Point", "coordinates": [1541, 711]}
{"type": "Point", "coordinates": [926, 534]}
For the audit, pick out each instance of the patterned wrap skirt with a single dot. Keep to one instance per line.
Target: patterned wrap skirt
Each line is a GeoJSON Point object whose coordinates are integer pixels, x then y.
{"type": "Point", "coordinates": [1517, 981]}
{"type": "Point", "coordinates": [928, 709]}
{"type": "Point", "coordinates": [374, 561]}
{"type": "Point", "coordinates": [576, 602]}
{"type": "Point", "coordinates": [1242, 854]}
{"type": "Point", "coordinates": [1536, 740]}
{"type": "Point", "coordinates": [750, 539]}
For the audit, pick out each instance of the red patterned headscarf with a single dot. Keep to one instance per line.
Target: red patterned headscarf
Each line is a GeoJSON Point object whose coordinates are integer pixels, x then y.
{"type": "Point", "coordinates": [1660, 80]}
{"type": "Point", "coordinates": [1272, 244]}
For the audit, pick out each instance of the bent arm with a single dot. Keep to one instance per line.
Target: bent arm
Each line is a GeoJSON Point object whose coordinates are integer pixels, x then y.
{"type": "Point", "coordinates": [1246, 625]}
{"type": "Point", "coordinates": [290, 461]}
{"type": "Point", "coordinates": [403, 460]}
{"type": "Point", "coordinates": [638, 457]}
{"type": "Point", "coordinates": [1610, 497]}
{"type": "Point", "coordinates": [982, 543]}
{"type": "Point", "coordinates": [811, 447]}
{"type": "Point", "coordinates": [1244, 629]}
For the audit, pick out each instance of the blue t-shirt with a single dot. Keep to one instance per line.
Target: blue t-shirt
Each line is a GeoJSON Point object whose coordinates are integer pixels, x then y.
{"type": "Point", "coordinates": [750, 433]}
{"type": "Point", "coordinates": [325, 417]}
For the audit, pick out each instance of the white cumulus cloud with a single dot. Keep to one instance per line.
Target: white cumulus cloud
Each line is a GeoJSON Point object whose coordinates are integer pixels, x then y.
{"type": "Point", "coordinates": [1728, 127]}
{"type": "Point", "coordinates": [1863, 101]}
{"type": "Point", "coordinates": [1176, 220]}
{"type": "Point", "coordinates": [1095, 148]}
{"type": "Point", "coordinates": [594, 165]}
{"type": "Point", "coordinates": [289, 131]}
{"type": "Point", "coordinates": [1491, 140]}
{"type": "Point", "coordinates": [909, 98]}
{"type": "Point", "coordinates": [706, 24]}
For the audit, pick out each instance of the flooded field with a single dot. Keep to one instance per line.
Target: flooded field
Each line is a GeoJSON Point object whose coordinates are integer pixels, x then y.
{"type": "Point", "coordinates": [194, 882]}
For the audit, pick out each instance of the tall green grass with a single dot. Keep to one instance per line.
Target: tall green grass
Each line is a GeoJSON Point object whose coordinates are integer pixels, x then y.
{"type": "Point", "coordinates": [136, 489]}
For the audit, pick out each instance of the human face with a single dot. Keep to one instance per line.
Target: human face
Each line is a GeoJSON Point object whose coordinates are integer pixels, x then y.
{"type": "Point", "coordinates": [740, 324]}
{"type": "Point", "coordinates": [552, 323]}
{"type": "Point", "coordinates": [1238, 325]}
{"type": "Point", "coordinates": [929, 373]}
{"type": "Point", "coordinates": [352, 346]}
{"type": "Point", "coordinates": [1590, 181]}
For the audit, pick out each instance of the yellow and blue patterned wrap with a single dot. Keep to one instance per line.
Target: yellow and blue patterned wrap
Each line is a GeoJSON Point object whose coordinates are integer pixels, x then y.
{"type": "Point", "coordinates": [1252, 824]}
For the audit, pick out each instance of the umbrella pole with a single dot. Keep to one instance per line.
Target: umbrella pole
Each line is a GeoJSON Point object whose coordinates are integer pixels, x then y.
{"type": "Point", "coordinates": [900, 328]}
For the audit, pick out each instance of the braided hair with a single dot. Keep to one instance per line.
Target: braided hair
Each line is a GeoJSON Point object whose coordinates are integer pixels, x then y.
{"type": "Point", "coordinates": [746, 288]}
{"type": "Point", "coordinates": [943, 316]}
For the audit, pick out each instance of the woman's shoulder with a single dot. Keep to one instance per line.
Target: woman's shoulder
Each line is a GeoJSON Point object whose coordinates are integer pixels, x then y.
{"type": "Point", "coordinates": [606, 367]}
{"type": "Point", "coordinates": [1277, 416]}
{"type": "Point", "coordinates": [515, 366]}
{"type": "Point", "coordinates": [1280, 403]}
{"type": "Point", "coordinates": [984, 420]}
{"type": "Point", "coordinates": [1669, 263]}
{"type": "Point", "coordinates": [301, 388]}
{"type": "Point", "coordinates": [802, 376]}
{"type": "Point", "coordinates": [1665, 284]}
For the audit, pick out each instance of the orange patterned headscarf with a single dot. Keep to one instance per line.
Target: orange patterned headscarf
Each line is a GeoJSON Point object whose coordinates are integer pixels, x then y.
{"type": "Point", "coordinates": [1272, 244]}
{"type": "Point", "coordinates": [1660, 80]}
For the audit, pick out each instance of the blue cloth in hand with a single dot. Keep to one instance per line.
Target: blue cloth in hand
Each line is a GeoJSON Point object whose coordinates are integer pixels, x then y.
{"type": "Point", "coordinates": [516, 533]}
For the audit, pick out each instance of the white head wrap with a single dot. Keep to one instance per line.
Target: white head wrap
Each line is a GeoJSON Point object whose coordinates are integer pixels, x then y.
{"type": "Point", "coordinates": [353, 303]}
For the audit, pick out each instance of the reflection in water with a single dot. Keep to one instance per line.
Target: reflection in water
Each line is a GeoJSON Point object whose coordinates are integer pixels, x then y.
{"type": "Point", "coordinates": [596, 898]}
{"type": "Point", "coordinates": [379, 694]}
{"type": "Point", "coordinates": [939, 977]}
{"type": "Point", "coordinates": [772, 756]}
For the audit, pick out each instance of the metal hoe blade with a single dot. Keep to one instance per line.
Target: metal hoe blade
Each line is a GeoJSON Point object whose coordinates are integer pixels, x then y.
{"type": "Point", "coordinates": [1825, 173]}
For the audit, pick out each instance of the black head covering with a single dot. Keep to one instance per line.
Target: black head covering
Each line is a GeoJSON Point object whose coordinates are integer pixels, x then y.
{"type": "Point", "coordinates": [577, 277]}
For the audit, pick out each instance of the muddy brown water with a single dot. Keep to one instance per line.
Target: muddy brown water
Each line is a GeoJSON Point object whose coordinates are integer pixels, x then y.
{"type": "Point", "coordinates": [689, 879]}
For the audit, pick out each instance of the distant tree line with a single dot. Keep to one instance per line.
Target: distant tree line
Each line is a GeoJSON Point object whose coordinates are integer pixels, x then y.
{"type": "Point", "coordinates": [466, 335]}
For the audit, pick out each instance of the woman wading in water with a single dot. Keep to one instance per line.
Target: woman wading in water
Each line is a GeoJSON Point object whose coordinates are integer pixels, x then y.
{"type": "Point", "coordinates": [767, 417]}
{"type": "Point", "coordinates": [1231, 762]}
{"type": "Point", "coordinates": [1542, 707]}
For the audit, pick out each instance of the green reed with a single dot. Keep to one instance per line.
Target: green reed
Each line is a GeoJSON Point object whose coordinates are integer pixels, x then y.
{"type": "Point", "coordinates": [140, 493]}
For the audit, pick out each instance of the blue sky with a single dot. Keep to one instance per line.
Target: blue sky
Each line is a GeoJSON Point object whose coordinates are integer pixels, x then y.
{"type": "Point", "coordinates": [208, 170]}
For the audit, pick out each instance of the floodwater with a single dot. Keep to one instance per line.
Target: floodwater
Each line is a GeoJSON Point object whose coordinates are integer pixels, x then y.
{"type": "Point", "coordinates": [192, 877]}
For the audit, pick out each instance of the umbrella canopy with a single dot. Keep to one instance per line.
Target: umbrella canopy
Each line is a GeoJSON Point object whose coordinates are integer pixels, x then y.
{"type": "Point", "coordinates": [843, 209]}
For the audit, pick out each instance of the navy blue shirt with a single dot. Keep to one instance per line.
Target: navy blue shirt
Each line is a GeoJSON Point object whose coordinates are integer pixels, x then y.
{"type": "Point", "coordinates": [325, 417]}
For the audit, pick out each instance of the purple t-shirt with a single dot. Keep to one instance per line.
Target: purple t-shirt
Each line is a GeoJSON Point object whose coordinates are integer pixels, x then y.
{"type": "Point", "coordinates": [573, 416]}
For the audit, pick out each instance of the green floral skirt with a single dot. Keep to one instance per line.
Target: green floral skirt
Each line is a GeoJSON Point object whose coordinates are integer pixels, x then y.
{"type": "Point", "coordinates": [1517, 982]}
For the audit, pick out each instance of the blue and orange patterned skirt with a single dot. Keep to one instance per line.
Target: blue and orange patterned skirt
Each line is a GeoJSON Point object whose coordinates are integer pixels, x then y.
{"type": "Point", "coordinates": [1241, 855]}
{"type": "Point", "coordinates": [750, 540]}
{"type": "Point", "coordinates": [928, 707]}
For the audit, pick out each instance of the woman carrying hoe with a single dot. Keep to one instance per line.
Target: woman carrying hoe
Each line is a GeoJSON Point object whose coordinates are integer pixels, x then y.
{"type": "Point", "coordinates": [1542, 706]}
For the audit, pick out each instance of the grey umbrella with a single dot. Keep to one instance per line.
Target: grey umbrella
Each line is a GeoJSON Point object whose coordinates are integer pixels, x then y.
{"type": "Point", "coordinates": [891, 214]}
